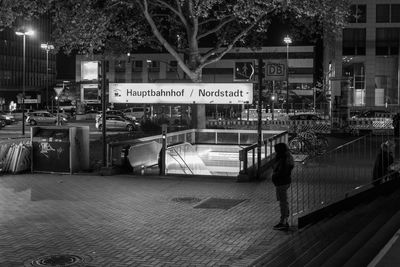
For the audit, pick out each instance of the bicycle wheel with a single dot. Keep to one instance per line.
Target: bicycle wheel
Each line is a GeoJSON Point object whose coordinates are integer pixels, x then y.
{"type": "Point", "coordinates": [321, 146]}
{"type": "Point", "coordinates": [295, 146]}
{"type": "Point", "coordinates": [309, 147]}
{"type": "Point", "coordinates": [308, 135]}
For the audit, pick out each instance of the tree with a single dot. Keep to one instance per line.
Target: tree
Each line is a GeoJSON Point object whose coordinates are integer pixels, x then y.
{"type": "Point", "coordinates": [11, 11]}
{"type": "Point", "coordinates": [178, 26]}
{"type": "Point", "coordinates": [182, 27]}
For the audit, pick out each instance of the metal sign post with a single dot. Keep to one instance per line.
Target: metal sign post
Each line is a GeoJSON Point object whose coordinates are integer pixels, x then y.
{"type": "Point", "coordinates": [58, 91]}
{"type": "Point", "coordinates": [103, 110]}
{"type": "Point", "coordinates": [276, 70]}
{"type": "Point", "coordinates": [259, 131]}
{"type": "Point", "coordinates": [163, 149]}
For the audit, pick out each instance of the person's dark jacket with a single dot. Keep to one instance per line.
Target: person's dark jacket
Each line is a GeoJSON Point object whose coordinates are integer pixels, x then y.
{"type": "Point", "coordinates": [396, 124]}
{"type": "Point", "coordinates": [381, 166]}
{"type": "Point", "coordinates": [283, 165]}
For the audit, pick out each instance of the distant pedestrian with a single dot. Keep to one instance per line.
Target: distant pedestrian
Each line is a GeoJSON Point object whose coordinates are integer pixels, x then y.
{"type": "Point", "coordinates": [281, 177]}
{"type": "Point", "coordinates": [382, 162]}
{"type": "Point", "coordinates": [160, 161]}
{"type": "Point", "coordinates": [396, 125]}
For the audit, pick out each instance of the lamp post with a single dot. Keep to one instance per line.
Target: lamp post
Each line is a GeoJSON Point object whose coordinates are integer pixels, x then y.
{"type": "Point", "coordinates": [47, 47]}
{"type": "Point", "coordinates": [23, 34]}
{"type": "Point", "coordinates": [287, 41]}
{"type": "Point", "coordinates": [58, 107]}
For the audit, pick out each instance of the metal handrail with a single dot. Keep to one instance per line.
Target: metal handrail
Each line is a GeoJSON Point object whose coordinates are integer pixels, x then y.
{"type": "Point", "coordinates": [181, 159]}
{"type": "Point", "coordinates": [243, 156]}
{"type": "Point", "coordinates": [280, 137]}
{"type": "Point", "coordinates": [368, 185]}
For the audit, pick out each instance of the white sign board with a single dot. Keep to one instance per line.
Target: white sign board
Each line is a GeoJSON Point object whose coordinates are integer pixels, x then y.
{"type": "Point", "coordinates": [28, 101]}
{"type": "Point", "coordinates": [31, 101]}
{"type": "Point", "coordinates": [58, 90]}
{"type": "Point", "coordinates": [181, 93]}
{"type": "Point", "coordinates": [89, 70]}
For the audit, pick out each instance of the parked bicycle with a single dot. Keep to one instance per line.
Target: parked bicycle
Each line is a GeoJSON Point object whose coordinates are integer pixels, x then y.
{"type": "Point", "coordinates": [308, 142]}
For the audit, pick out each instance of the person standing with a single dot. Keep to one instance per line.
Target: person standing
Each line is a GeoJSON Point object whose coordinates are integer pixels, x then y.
{"type": "Point", "coordinates": [382, 163]}
{"type": "Point", "coordinates": [281, 178]}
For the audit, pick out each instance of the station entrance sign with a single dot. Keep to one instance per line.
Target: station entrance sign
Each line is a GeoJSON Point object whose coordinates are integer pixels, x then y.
{"type": "Point", "coordinates": [181, 93]}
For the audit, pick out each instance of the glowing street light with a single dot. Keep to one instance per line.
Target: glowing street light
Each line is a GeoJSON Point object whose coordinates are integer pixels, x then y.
{"type": "Point", "coordinates": [287, 41]}
{"type": "Point", "coordinates": [47, 47]}
{"type": "Point", "coordinates": [23, 34]}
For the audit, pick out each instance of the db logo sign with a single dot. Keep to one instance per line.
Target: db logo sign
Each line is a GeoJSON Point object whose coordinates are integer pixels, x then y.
{"type": "Point", "coordinates": [276, 69]}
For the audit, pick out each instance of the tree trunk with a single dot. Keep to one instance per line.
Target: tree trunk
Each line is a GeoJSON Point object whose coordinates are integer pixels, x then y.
{"type": "Point", "coordinates": [198, 110]}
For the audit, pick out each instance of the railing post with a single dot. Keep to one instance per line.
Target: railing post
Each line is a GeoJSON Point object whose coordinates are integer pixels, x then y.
{"type": "Point", "coordinates": [109, 150]}
{"type": "Point", "coordinates": [254, 157]}
{"type": "Point", "coordinates": [270, 147]}
{"type": "Point", "coordinates": [243, 157]}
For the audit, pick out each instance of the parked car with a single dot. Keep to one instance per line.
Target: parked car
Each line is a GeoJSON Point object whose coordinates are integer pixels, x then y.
{"type": "Point", "coordinates": [118, 113]}
{"type": "Point", "coordinates": [2, 123]}
{"type": "Point", "coordinates": [109, 112]}
{"type": "Point", "coordinates": [305, 117]}
{"type": "Point", "coordinates": [373, 114]}
{"type": "Point", "coordinates": [9, 119]}
{"type": "Point", "coordinates": [17, 113]}
{"type": "Point", "coordinates": [43, 117]}
{"type": "Point", "coordinates": [114, 122]}
{"type": "Point", "coordinates": [135, 113]}
{"type": "Point", "coordinates": [62, 112]}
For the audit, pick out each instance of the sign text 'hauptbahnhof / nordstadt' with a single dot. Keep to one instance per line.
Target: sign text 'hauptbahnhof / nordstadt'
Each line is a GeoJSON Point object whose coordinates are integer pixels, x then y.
{"type": "Point", "coordinates": [181, 93]}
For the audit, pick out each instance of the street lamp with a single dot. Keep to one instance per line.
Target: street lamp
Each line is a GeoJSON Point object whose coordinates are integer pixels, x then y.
{"type": "Point", "coordinates": [287, 41]}
{"type": "Point", "coordinates": [23, 34]}
{"type": "Point", "coordinates": [47, 47]}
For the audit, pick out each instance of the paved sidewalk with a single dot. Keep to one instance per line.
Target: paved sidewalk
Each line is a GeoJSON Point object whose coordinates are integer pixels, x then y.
{"type": "Point", "coordinates": [126, 220]}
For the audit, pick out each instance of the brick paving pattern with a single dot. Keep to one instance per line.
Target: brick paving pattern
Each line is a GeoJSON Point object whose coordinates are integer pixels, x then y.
{"type": "Point", "coordinates": [124, 220]}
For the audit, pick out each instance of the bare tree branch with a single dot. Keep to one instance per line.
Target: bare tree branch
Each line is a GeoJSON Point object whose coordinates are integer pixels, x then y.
{"type": "Point", "coordinates": [162, 40]}
{"type": "Point", "coordinates": [195, 23]}
{"type": "Point", "coordinates": [206, 58]}
{"type": "Point", "coordinates": [177, 12]}
{"type": "Point", "coordinates": [201, 23]}
{"type": "Point", "coordinates": [217, 28]}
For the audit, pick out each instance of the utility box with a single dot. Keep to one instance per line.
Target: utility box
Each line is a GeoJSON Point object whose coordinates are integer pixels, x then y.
{"type": "Point", "coordinates": [60, 149]}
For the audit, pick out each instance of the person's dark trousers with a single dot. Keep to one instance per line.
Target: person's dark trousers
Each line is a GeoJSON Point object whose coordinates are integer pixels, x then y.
{"type": "Point", "coordinates": [282, 197]}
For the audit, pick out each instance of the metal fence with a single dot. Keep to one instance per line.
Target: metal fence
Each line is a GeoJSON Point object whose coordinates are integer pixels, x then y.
{"type": "Point", "coordinates": [322, 180]}
{"type": "Point", "coordinates": [244, 137]}
{"type": "Point", "coordinates": [321, 126]}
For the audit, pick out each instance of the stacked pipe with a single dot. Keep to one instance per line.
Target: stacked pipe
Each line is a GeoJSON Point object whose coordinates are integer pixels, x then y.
{"type": "Point", "coordinates": [15, 158]}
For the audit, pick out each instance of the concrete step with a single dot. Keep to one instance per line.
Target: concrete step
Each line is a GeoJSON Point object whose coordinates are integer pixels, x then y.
{"type": "Point", "coordinates": [376, 219]}
{"type": "Point", "coordinates": [315, 245]}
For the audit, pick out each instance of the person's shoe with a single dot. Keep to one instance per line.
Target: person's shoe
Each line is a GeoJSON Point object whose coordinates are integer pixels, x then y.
{"type": "Point", "coordinates": [281, 226]}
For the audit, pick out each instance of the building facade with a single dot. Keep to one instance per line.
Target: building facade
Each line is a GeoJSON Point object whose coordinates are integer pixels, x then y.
{"type": "Point", "coordinates": [153, 68]}
{"type": "Point", "coordinates": [361, 67]}
{"type": "Point", "coordinates": [11, 66]}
